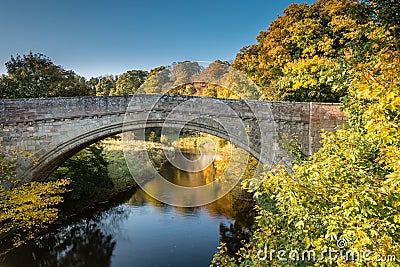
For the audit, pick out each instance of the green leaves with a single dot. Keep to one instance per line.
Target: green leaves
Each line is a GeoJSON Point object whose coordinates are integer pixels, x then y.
{"type": "Point", "coordinates": [87, 171]}
{"type": "Point", "coordinates": [128, 82]}
{"type": "Point", "coordinates": [35, 75]}
{"type": "Point", "coordinates": [105, 86]}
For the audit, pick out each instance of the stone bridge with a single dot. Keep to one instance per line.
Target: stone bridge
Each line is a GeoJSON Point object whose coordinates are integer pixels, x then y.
{"type": "Point", "coordinates": [53, 129]}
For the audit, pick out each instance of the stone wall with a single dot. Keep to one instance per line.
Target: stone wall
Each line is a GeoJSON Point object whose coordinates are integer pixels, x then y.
{"type": "Point", "coordinates": [323, 116]}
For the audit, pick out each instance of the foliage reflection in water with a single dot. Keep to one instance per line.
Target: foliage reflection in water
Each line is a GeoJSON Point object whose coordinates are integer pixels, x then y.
{"type": "Point", "coordinates": [144, 232]}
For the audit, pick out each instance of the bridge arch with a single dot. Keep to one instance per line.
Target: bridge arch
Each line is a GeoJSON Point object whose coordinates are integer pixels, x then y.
{"type": "Point", "coordinates": [53, 158]}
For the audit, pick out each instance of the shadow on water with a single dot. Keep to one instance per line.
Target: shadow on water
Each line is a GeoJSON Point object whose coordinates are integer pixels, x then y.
{"type": "Point", "coordinates": [88, 238]}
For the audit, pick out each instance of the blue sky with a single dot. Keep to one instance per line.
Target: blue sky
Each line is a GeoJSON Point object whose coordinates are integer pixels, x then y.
{"type": "Point", "coordinates": [95, 38]}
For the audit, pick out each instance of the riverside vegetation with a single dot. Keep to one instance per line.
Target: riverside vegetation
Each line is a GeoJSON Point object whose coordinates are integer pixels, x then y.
{"type": "Point", "coordinates": [349, 189]}
{"type": "Point", "coordinates": [332, 50]}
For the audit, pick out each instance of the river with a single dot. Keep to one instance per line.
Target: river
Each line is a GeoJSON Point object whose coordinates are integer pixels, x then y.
{"type": "Point", "coordinates": [140, 231]}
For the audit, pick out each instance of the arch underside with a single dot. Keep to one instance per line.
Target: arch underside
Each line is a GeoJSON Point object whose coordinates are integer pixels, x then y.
{"type": "Point", "coordinates": [54, 157]}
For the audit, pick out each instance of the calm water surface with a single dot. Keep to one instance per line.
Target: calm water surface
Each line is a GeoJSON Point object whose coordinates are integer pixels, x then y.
{"type": "Point", "coordinates": [144, 232]}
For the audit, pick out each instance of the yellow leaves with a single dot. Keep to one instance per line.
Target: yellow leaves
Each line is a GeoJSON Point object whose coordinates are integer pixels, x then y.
{"type": "Point", "coordinates": [257, 194]}
{"type": "Point", "coordinates": [392, 183]}
{"type": "Point", "coordinates": [341, 23]}
{"type": "Point", "coordinates": [396, 218]}
{"type": "Point", "coordinates": [299, 224]}
{"type": "Point", "coordinates": [378, 85]}
{"type": "Point", "coordinates": [311, 79]}
{"type": "Point", "coordinates": [351, 186]}
{"type": "Point", "coordinates": [342, 188]}
{"type": "Point", "coordinates": [326, 45]}
{"type": "Point", "coordinates": [30, 208]}
{"type": "Point", "coordinates": [325, 29]}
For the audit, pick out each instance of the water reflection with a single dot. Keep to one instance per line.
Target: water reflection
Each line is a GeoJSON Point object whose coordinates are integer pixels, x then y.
{"type": "Point", "coordinates": [141, 231]}
{"type": "Point", "coordinates": [87, 242]}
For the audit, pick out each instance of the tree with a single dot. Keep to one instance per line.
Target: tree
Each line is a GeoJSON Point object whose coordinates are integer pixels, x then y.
{"type": "Point", "coordinates": [183, 74]}
{"type": "Point", "coordinates": [319, 79]}
{"type": "Point", "coordinates": [35, 75]}
{"type": "Point", "coordinates": [87, 171]}
{"type": "Point", "coordinates": [92, 84]}
{"type": "Point", "coordinates": [28, 209]}
{"type": "Point", "coordinates": [299, 41]}
{"type": "Point", "coordinates": [387, 13]}
{"type": "Point", "coordinates": [158, 81]}
{"type": "Point", "coordinates": [346, 196]}
{"type": "Point", "coordinates": [236, 85]}
{"type": "Point", "coordinates": [152, 137]}
{"type": "Point", "coordinates": [128, 82]}
{"type": "Point", "coordinates": [348, 191]}
{"type": "Point", "coordinates": [105, 86]}
{"type": "Point", "coordinates": [155, 71]}
{"type": "Point", "coordinates": [214, 75]}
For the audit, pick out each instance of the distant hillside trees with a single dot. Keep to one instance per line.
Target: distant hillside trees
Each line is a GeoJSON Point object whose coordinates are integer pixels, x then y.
{"type": "Point", "coordinates": [116, 85]}
{"type": "Point", "coordinates": [105, 85]}
{"type": "Point", "coordinates": [35, 75]}
{"type": "Point", "coordinates": [128, 82]}
{"type": "Point", "coordinates": [218, 79]}
{"type": "Point", "coordinates": [125, 84]}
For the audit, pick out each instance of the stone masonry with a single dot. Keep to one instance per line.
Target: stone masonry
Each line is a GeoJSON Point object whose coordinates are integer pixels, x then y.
{"type": "Point", "coordinates": [53, 129]}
